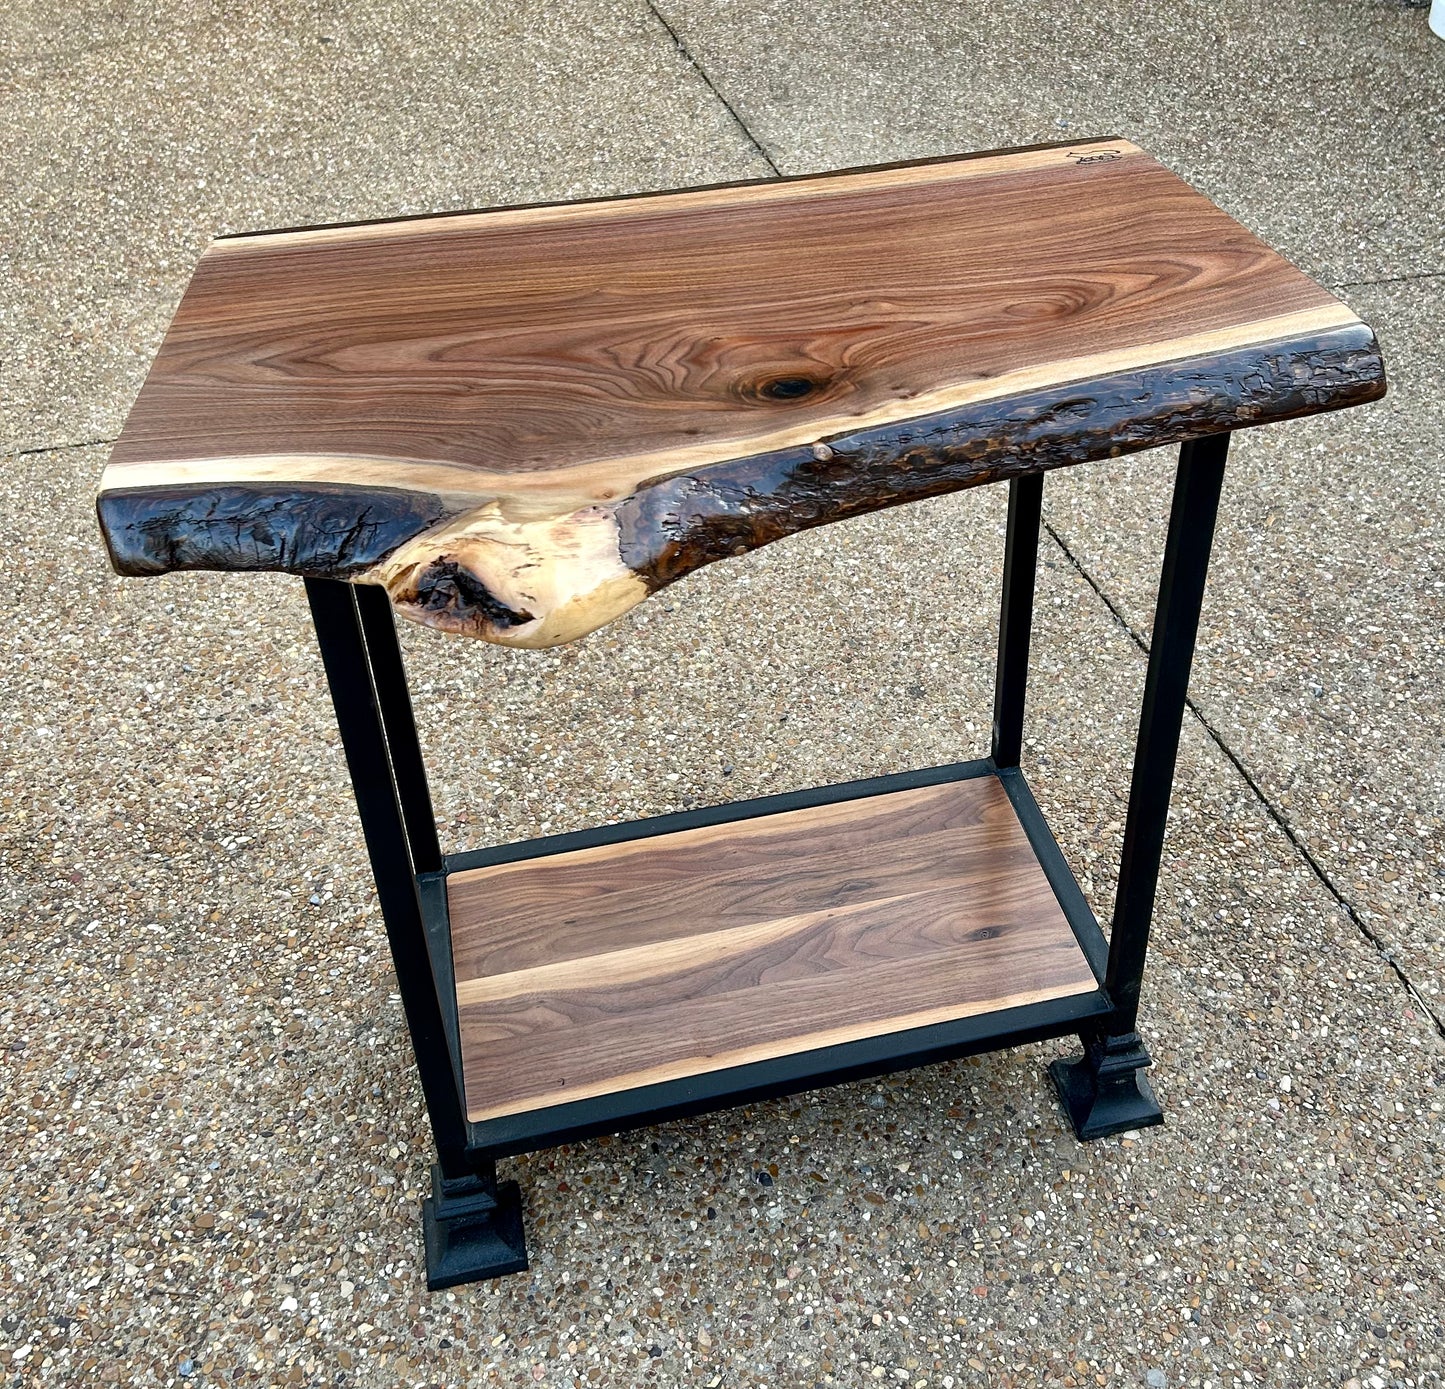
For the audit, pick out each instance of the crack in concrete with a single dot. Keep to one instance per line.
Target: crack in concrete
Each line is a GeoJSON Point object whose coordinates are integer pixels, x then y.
{"type": "Point", "coordinates": [56, 448]}
{"type": "Point", "coordinates": [712, 86]}
{"type": "Point", "coordinates": [1273, 811]}
{"type": "Point", "coordinates": [1391, 280]}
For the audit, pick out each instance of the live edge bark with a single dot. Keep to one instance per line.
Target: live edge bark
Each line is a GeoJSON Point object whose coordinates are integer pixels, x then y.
{"type": "Point", "coordinates": [563, 576]}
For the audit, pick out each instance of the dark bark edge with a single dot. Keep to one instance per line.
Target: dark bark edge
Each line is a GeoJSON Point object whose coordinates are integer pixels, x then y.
{"type": "Point", "coordinates": [677, 524]}
{"type": "Point", "coordinates": [324, 530]}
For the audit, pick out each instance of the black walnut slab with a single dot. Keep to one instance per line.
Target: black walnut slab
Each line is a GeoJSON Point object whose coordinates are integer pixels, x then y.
{"type": "Point", "coordinates": [601, 969]}
{"type": "Point", "coordinates": [523, 421]}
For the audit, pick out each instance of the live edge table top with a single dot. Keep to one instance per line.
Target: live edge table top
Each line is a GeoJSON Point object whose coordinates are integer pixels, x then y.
{"type": "Point", "coordinates": [523, 421]}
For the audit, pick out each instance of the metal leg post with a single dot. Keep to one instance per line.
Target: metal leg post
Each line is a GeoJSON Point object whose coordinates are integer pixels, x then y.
{"type": "Point", "coordinates": [378, 628]}
{"type": "Point", "coordinates": [473, 1226]}
{"type": "Point", "coordinates": [1105, 1090]}
{"type": "Point", "coordinates": [1020, 565]}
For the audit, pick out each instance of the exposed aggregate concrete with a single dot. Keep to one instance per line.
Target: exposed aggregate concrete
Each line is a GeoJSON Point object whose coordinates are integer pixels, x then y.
{"type": "Point", "coordinates": [215, 1150]}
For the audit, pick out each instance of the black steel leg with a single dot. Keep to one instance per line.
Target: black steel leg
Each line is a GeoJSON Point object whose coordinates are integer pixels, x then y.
{"type": "Point", "coordinates": [1020, 564]}
{"type": "Point", "coordinates": [473, 1226]}
{"type": "Point", "coordinates": [1105, 1090]}
{"type": "Point", "coordinates": [378, 627]}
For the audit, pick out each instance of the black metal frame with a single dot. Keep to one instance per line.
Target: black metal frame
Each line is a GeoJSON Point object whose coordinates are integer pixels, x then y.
{"type": "Point", "coordinates": [1105, 1090]}
{"type": "Point", "coordinates": [472, 1223]}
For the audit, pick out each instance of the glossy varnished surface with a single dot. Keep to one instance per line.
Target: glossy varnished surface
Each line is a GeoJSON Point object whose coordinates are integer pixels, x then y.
{"type": "Point", "coordinates": [598, 970]}
{"type": "Point", "coordinates": [543, 341]}
{"type": "Point", "coordinates": [523, 421]}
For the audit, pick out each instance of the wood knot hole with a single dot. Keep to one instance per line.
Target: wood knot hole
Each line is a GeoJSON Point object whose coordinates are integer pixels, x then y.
{"type": "Point", "coordinates": [787, 388]}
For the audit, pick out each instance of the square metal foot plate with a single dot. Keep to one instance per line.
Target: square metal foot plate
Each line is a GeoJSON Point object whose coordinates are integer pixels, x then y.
{"type": "Point", "coordinates": [466, 1248]}
{"type": "Point", "coordinates": [1097, 1111]}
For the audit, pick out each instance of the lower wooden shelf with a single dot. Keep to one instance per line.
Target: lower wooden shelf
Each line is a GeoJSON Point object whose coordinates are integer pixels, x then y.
{"type": "Point", "coordinates": [674, 952]}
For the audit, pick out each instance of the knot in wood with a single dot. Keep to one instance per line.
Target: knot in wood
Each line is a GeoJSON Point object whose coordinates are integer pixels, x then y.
{"type": "Point", "coordinates": [783, 389]}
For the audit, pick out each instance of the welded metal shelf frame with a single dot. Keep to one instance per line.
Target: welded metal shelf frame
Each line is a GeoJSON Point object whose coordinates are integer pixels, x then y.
{"type": "Point", "coordinates": [473, 1223]}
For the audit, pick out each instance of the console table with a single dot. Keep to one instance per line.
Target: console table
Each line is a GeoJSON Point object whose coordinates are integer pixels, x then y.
{"type": "Point", "coordinates": [517, 424]}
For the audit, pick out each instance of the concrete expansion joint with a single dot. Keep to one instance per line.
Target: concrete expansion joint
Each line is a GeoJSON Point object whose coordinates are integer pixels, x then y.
{"type": "Point", "coordinates": [57, 448]}
{"type": "Point", "coordinates": [1389, 280]}
{"type": "Point", "coordinates": [712, 86]}
{"type": "Point", "coordinates": [1386, 955]}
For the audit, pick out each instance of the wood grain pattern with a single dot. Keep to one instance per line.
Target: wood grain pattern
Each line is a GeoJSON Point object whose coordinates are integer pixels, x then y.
{"type": "Point", "coordinates": [523, 421]}
{"type": "Point", "coordinates": [605, 898]}
{"type": "Point", "coordinates": [605, 968]}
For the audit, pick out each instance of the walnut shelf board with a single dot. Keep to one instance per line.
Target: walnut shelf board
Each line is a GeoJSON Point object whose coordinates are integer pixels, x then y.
{"type": "Point", "coordinates": [600, 970]}
{"type": "Point", "coordinates": [523, 421]}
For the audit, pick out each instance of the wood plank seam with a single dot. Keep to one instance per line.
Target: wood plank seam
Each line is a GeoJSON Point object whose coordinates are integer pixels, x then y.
{"type": "Point", "coordinates": [683, 957]}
